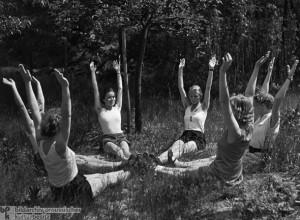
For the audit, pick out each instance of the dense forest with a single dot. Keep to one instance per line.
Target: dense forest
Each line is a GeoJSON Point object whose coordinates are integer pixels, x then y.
{"type": "Point", "coordinates": [46, 34]}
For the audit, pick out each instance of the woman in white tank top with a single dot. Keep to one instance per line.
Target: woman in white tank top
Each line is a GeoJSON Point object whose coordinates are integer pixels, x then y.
{"type": "Point", "coordinates": [67, 185]}
{"type": "Point", "coordinates": [36, 104]}
{"type": "Point", "coordinates": [108, 108]}
{"type": "Point", "coordinates": [193, 138]}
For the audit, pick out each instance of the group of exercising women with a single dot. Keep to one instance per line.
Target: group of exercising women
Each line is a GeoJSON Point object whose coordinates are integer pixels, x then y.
{"type": "Point", "coordinates": [252, 123]}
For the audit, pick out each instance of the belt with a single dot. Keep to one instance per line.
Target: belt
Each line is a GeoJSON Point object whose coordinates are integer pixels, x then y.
{"type": "Point", "coordinates": [258, 150]}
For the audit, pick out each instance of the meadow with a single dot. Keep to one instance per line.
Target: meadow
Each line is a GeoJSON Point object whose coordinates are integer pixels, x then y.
{"type": "Point", "coordinates": [269, 194]}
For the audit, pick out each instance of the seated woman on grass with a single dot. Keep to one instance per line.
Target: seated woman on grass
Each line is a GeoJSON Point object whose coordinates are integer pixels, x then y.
{"type": "Point", "coordinates": [267, 111]}
{"type": "Point", "coordinates": [86, 164]}
{"type": "Point", "coordinates": [108, 110]}
{"type": "Point", "coordinates": [250, 92]}
{"type": "Point", "coordinates": [238, 115]}
{"type": "Point", "coordinates": [193, 138]}
{"type": "Point", "coordinates": [67, 185]}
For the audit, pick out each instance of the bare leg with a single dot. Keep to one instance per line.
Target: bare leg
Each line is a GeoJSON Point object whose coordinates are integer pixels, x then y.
{"type": "Point", "coordinates": [124, 146]}
{"type": "Point", "coordinates": [195, 173]}
{"type": "Point", "coordinates": [164, 156]}
{"type": "Point", "coordinates": [99, 182]}
{"type": "Point", "coordinates": [184, 173]}
{"type": "Point", "coordinates": [110, 147]}
{"type": "Point", "coordinates": [93, 165]}
{"type": "Point", "coordinates": [195, 163]}
{"type": "Point", "coordinates": [178, 149]}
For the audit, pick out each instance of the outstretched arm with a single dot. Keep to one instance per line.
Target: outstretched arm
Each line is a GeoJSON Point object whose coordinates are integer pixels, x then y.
{"type": "Point", "coordinates": [29, 125]}
{"type": "Point", "coordinates": [281, 94]}
{"type": "Point", "coordinates": [40, 94]}
{"type": "Point", "coordinates": [33, 104]}
{"type": "Point", "coordinates": [95, 88]}
{"type": "Point", "coordinates": [117, 68]}
{"type": "Point", "coordinates": [184, 99]}
{"type": "Point", "coordinates": [266, 85]}
{"type": "Point", "coordinates": [230, 121]}
{"type": "Point", "coordinates": [65, 124]}
{"type": "Point", "coordinates": [211, 65]}
{"type": "Point", "coordinates": [250, 90]}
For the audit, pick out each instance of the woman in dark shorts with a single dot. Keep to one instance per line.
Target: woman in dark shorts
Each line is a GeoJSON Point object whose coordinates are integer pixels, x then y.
{"type": "Point", "coordinates": [108, 108]}
{"type": "Point", "coordinates": [193, 138]}
{"type": "Point", "coordinates": [238, 115]}
{"type": "Point", "coordinates": [67, 185]}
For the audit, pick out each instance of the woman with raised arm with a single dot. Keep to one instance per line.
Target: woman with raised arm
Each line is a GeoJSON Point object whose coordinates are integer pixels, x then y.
{"type": "Point", "coordinates": [108, 109]}
{"type": "Point", "coordinates": [237, 112]}
{"type": "Point", "coordinates": [67, 185]}
{"type": "Point", "coordinates": [266, 127]}
{"type": "Point", "coordinates": [28, 123]}
{"type": "Point", "coordinates": [86, 164]}
{"type": "Point", "coordinates": [193, 138]}
{"type": "Point", "coordinates": [250, 93]}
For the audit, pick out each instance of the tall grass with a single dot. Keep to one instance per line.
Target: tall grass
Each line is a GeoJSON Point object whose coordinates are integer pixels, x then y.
{"type": "Point", "coordinates": [141, 197]}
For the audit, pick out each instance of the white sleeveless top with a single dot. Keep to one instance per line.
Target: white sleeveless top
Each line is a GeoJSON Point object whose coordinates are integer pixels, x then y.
{"type": "Point", "coordinates": [194, 120]}
{"type": "Point", "coordinates": [110, 120]}
{"type": "Point", "coordinates": [263, 135]}
{"type": "Point", "coordinates": [60, 171]}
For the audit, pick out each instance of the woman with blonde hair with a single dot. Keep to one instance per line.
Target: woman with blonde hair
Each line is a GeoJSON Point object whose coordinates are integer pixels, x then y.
{"type": "Point", "coordinates": [238, 116]}
{"type": "Point", "coordinates": [193, 138]}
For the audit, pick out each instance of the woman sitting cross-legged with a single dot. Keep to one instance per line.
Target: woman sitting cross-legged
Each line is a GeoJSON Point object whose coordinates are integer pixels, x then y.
{"type": "Point", "coordinates": [67, 185]}
{"type": "Point", "coordinates": [238, 115]}
{"type": "Point", "coordinates": [108, 109]}
{"type": "Point", "coordinates": [193, 138]}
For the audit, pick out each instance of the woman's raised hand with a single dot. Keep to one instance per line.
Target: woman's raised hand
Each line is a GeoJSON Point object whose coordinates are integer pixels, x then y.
{"type": "Point", "coordinates": [10, 82]}
{"type": "Point", "coordinates": [271, 64]}
{"type": "Point", "coordinates": [93, 67]}
{"type": "Point", "coordinates": [182, 63]}
{"type": "Point", "coordinates": [292, 71]}
{"type": "Point", "coordinates": [262, 60]}
{"type": "Point", "coordinates": [116, 66]}
{"type": "Point", "coordinates": [212, 62]}
{"type": "Point", "coordinates": [25, 73]}
{"type": "Point", "coordinates": [35, 80]}
{"type": "Point", "coordinates": [227, 60]}
{"type": "Point", "coordinates": [61, 79]}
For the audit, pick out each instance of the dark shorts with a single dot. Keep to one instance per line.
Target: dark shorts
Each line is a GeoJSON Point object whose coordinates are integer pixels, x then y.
{"type": "Point", "coordinates": [196, 136]}
{"type": "Point", "coordinates": [114, 138]}
{"type": "Point", "coordinates": [76, 192]}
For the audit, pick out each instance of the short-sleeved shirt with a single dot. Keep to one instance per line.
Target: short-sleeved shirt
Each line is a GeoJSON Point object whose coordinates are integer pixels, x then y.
{"type": "Point", "coordinates": [263, 135]}
{"type": "Point", "coordinates": [228, 162]}
{"type": "Point", "coordinates": [110, 120]}
{"type": "Point", "coordinates": [194, 120]}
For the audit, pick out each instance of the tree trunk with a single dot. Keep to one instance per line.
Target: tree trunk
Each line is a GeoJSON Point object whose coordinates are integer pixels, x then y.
{"type": "Point", "coordinates": [127, 95]}
{"type": "Point", "coordinates": [138, 88]}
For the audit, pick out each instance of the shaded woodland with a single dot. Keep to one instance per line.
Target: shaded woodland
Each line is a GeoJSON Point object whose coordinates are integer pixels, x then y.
{"type": "Point", "coordinates": [46, 34]}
